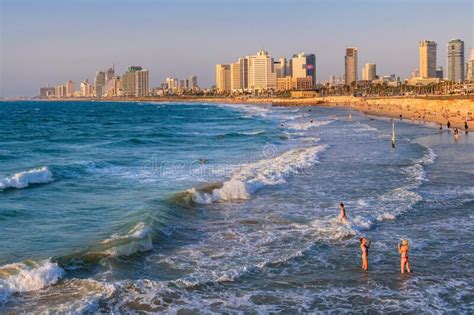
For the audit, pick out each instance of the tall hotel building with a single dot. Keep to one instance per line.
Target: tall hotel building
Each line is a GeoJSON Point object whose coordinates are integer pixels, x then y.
{"type": "Point", "coordinates": [99, 83]}
{"type": "Point", "coordinates": [351, 65]}
{"type": "Point", "coordinates": [369, 72]}
{"type": "Point", "coordinates": [223, 78]}
{"type": "Point", "coordinates": [261, 73]}
{"type": "Point", "coordinates": [135, 82]}
{"type": "Point", "coordinates": [455, 60]}
{"type": "Point", "coordinates": [470, 67]}
{"type": "Point", "coordinates": [239, 74]}
{"type": "Point", "coordinates": [427, 59]}
{"type": "Point", "coordinates": [303, 66]}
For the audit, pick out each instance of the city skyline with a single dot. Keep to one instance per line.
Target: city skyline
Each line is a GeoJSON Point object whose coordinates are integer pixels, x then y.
{"type": "Point", "coordinates": [190, 44]}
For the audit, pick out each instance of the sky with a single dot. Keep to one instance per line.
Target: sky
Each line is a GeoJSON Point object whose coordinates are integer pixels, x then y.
{"type": "Point", "coordinates": [51, 41]}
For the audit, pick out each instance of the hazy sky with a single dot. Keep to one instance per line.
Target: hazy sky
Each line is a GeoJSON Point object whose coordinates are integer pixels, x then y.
{"type": "Point", "coordinates": [51, 41]}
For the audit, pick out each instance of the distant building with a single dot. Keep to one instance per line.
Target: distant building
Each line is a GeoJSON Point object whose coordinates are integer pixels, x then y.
{"type": "Point", "coordinates": [60, 91]}
{"type": "Point", "coordinates": [439, 72]}
{"type": "Point", "coordinates": [280, 67]}
{"type": "Point", "coordinates": [304, 65]}
{"type": "Point", "coordinates": [112, 87]}
{"type": "Point", "coordinates": [70, 88]}
{"type": "Point", "coordinates": [135, 82]}
{"type": "Point", "coordinates": [99, 83]}
{"type": "Point", "coordinates": [193, 82]}
{"type": "Point", "coordinates": [239, 73]}
{"type": "Point", "coordinates": [86, 88]}
{"type": "Point", "coordinates": [455, 62]}
{"type": "Point", "coordinates": [351, 65]}
{"type": "Point", "coordinates": [291, 83]}
{"type": "Point", "coordinates": [47, 91]}
{"type": "Point", "coordinates": [261, 74]}
{"type": "Point", "coordinates": [369, 72]}
{"type": "Point", "coordinates": [223, 78]}
{"type": "Point", "coordinates": [109, 74]}
{"type": "Point", "coordinates": [470, 67]}
{"type": "Point", "coordinates": [427, 59]}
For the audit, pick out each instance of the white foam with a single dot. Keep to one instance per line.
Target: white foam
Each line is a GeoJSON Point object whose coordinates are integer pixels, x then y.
{"type": "Point", "coordinates": [27, 276]}
{"type": "Point", "coordinates": [24, 179]}
{"type": "Point", "coordinates": [253, 176]}
{"type": "Point", "coordinates": [138, 239]}
{"type": "Point", "coordinates": [308, 125]}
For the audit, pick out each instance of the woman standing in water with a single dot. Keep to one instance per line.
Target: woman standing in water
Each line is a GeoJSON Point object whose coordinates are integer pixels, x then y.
{"type": "Point", "coordinates": [364, 248]}
{"type": "Point", "coordinates": [403, 251]}
{"type": "Point", "coordinates": [342, 213]}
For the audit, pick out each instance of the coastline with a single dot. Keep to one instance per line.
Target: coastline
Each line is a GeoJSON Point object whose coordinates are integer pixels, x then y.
{"type": "Point", "coordinates": [438, 110]}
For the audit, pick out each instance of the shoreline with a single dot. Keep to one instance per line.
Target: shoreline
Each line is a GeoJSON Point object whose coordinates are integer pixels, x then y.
{"type": "Point", "coordinates": [438, 110]}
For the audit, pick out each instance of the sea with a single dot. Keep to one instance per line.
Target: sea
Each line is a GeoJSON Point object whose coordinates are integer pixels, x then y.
{"type": "Point", "coordinates": [184, 208]}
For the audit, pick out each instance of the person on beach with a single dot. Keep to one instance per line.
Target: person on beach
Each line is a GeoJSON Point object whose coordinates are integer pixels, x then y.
{"type": "Point", "coordinates": [403, 251]}
{"type": "Point", "coordinates": [440, 127]}
{"type": "Point", "coordinates": [342, 213]}
{"type": "Point", "coordinates": [364, 248]}
{"type": "Point", "coordinates": [311, 121]}
{"type": "Point", "coordinates": [466, 127]}
{"type": "Point", "coordinates": [456, 134]}
{"type": "Point", "coordinates": [448, 124]}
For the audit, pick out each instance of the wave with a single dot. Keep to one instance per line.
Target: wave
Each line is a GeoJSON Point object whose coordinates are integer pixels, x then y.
{"type": "Point", "coordinates": [24, 179]}
{"type": "Point", "coordinates": [308, 125]}
{"type": "Point", "coordinates": [27, 276]}
{"type": "Point", "coordinates": [253, 176]}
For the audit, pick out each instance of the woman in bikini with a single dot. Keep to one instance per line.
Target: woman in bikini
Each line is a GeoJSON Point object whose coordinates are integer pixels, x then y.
{"type": "Point", "coordinates": [342, 212]}
{"type": "Point", "coordinates": [403, 251]}
{"type": "Point", "coordinates": [364, 247]}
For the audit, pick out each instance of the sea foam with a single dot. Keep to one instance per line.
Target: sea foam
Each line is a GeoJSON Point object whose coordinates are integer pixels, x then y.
{"type": "Point", "coordinates": [253, 176]}
{"type": "Point", "coordinates": [24, 179]}
{"type": "Point", "coordinates": [27, 276]}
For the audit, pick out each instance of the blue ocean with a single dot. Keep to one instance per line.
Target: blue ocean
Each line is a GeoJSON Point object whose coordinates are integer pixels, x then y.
{"type": "Point", "coordinates": [130, 207]}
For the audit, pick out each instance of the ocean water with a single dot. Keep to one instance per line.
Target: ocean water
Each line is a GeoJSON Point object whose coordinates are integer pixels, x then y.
{"type": "Point", "coordinates": [159, 207]}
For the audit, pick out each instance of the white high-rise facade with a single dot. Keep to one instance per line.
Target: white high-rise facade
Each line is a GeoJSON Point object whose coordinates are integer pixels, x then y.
{"type": "Point", "coordinates": [369, 72]}
{"type": "Point", "coordinates": [223, 78]}
{"type": "Point", "coordinates": [427, 59]}
{"type": "Point", "coordinates": [135, 82]}
{"type": "Point", "coordinates": [261, 73]}
{"type": "Point", "coordinates": [470, 66]}
{"type": "Point", "coordinates": [455, 62]}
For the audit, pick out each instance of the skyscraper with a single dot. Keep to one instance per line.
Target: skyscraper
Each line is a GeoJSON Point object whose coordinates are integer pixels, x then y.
{"type": "Point", "coordinates": [455, 62]}
{"type": "Point", "coordinates": [351, 65]}
{"type": "Point", "coordinates": [135, 82]}
{"type": "Point", "coordinates": [439, 72]}
{"type": "Point", "coordinates": [193, 81]}
{"type": "Point", "coordinates": [70, 88]}
{"type": "Point", "coordinates": [261, 73]}
{"type": "Point", "coordinates": [470, 67]}
{"type": "Point", "coordinates": [99, 83]}
{"type": "Point", "coordinates": [369, 72]}
{"type": "Point", "coordinates": [427, 59]}
{"type": "Point", "coordinates": [280, 68]}
{"type": "Point", "coordinates": [223, 78]}
{"type": "Point", "coordinates": [86, 88]}
{"type": "Point", "coordinates": [109, 74]}
{"type": "Point", "coordinates": [235, 77]}
{"type": "Point", "coordinates": [304, 65]}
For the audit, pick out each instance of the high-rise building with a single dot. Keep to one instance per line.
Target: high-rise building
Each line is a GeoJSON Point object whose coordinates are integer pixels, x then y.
{"type": "Point", "coordinates": [455, 60]}
{"type": "Point", "coordinates": [470, 66]}
{"type": "Point", "coordinates": [135, 82]}
{"type": "Point", "coordinates": [280, 68]}
{"type": "Point", "coordinates": [351, 65]}
{"type": "Point", "coordinates": [86, 90]}
{"type": "Point", "coordinates": [172, 84]}
{"type": "Point", "coordinates": [60, 91]}
{"type": "Point", "coordinates": [47, 91]}
{"type": "Point", "coordinates": [304, 65]}
{"type": "Point", "coordinates": [193, 82]}
{"type": "Point", "coordinates": [369, 72]}
{"type": "Point", "coordinates": [236, 77]}
{"type": "Point", "coordinates": [70, 88]}
{"type": "Point", "coordinates": [427, 59]}
{"type": "Point", "coordinates": [99, 83]}
{"type": "Point", "coordinates": [223, 78]}
{"type": "Point", "coordinates": [111, 88]}
{"type": "Point", "coordinates": [109, 74]}
{"type": "Point", "coordinates": [261, 73]}
{"type": "Point", "coordinates": [439, 72]}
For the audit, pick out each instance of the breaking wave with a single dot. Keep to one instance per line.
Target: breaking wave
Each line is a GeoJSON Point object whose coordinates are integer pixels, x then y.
{"type": "Point", "coordinates": [24, 179]}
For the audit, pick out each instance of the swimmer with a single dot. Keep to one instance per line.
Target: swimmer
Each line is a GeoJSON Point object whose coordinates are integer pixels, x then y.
{"type": "Point", "coordinates": [403, 251]}
{"type": "Point", "coordinates": [342, 213]}
{"type": "Point", "coordinates": [364, 247]}
{"type": "Point", "coordinates": [311, 121]}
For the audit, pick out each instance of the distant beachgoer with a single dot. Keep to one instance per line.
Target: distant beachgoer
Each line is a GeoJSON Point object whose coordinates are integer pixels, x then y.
{"type": "Point", "coordinates": [448, 124]}
{"type": "Point", "coordinates": [350, 117]}
{"type": "Point", "coordinates": [456, 134]}
{"type": "Point", "coordinates": [281, 125]}
{"type": "Point", "coordinates": [364, 247]}
{"type": "Point", "coordinates": [311, 121]}
{"type": "Point", "coordinates": [342, 213]}
{"type": "Point", "coordinates": [401, 117]}
{"type": "Point", "coordinates": [403, 251]}
{"type": "Point", "coordinates": [440, 127]}
{"type": "Point", "coordinates": [466, 127]}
